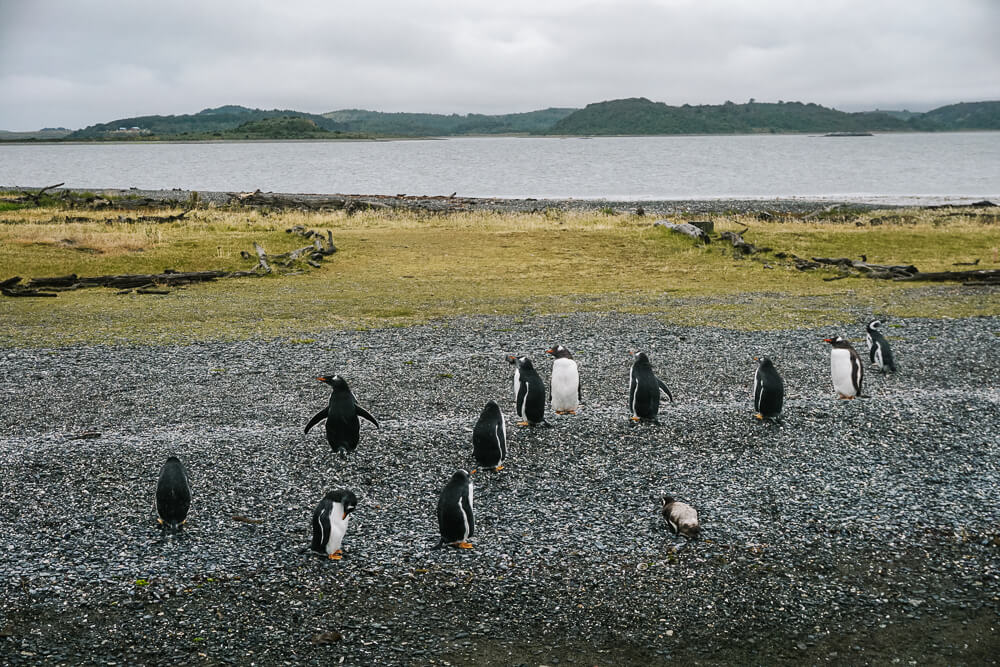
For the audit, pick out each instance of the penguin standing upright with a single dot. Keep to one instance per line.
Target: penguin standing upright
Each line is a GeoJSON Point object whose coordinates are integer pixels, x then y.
{"type": "Point", "coordinates": [681, 517]}
{"type": "Point", "coordinates": [454, 512]}
{"type": "Point", "coordinates": [529, 392]}
{"type": "Point", "coordinates": [329, 522]}
{"type": "Point", "coordinates": [173, 496]}
{"type": "Point", "coordinates": [565, 393]}
{"type": "Point", "coordinates": [644, 389]}
{"type": "Point", "coordinates": [343, 426]}
{"type": "Point", "coordinates": [768, 391]}
{"type": "Point", "coordinates": [489, 438]}
{"type": "Point", "coordinates": [846, 368]}
{"type": "Point", "coordinates": [878, 347]}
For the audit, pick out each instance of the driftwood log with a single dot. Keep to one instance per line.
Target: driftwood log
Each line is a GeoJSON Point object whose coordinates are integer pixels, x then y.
{"type": "Point", "coordinates": [684, 228]}
{"type": "Point", "coordinates": [740, 246]}
{"type": "Point", "coordinates": [309, 203]}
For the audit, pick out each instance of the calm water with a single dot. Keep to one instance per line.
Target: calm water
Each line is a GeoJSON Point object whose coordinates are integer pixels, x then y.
{"type": "Point", "coordinates": [887, 168]}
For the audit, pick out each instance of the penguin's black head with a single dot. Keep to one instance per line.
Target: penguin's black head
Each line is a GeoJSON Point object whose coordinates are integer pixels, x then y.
{"type": "Point", "coordinates": [639, 358]}
{"type": "Point", "coordinates": [346, 498]}
{"type": "Point", "coordinates": [559, 352]}
{"type": "Point", "coordinates": [665, 501]}
{"type": "Point", "coordinates": [491, 409]}
{"type": "Point", "coordinates": [461, 477]}
{"type": "Point", "coordinates": [834, 340]}
{"type": "Point", "coordinates": [338, 383]}
{"type": "Point", "coordinates": [764, 362]}
{"type": "Point", "coordinates": [522, 362]}
{"type": "Point", "coordinates": [874, 325]}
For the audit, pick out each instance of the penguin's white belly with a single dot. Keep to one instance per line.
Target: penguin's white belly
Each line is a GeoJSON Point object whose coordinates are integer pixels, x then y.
{"type": "Point", "coordinates": [517, 382]}
{"type": "Point", "coordinates": [565, 385]}
{"type": "Point", "coordinates": [338, 528]}
{"type": "Point", "coordinates": [841, 372]}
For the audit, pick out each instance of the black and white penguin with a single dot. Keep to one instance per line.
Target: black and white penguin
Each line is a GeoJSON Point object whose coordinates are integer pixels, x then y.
{"type": "Point", "coordinates": [173, 496]}
{"type": "Point", "coordinates": [454, 510]}
{"type": "Point", "coordinates": [489, 438]}
{"type": "Point", "coordinates": [768, 391]}
{"type": "Point", "coordinates": [529, 392]}
{"type": "Point", "coordinates": [846, 368]}
{"type": "Point", "coordinates": [565, 393]}
{"type": "Point", "coordinates": [343, 426]}
{"type": "Point", "coordinates": [644, 389]}
{"type": "Point", "coordinates": [681, 517]}
{"type": "Point", "coordinates": [329, 522]}
{"type": "Point", "coordinates": [878, 347]}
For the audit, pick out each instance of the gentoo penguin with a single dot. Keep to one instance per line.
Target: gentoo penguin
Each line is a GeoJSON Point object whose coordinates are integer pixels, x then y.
{"type": "Point", "coordinates": [173, 496]}
{"type": "Point", "coordinates": [329, 522]}
{"type": "Point", "coordinates": [489, 438]}
{"type": "Point", "coordinates": [681, 517]}
{"type": "Point", "coordinates": [454, 512]}
{"type": "Point", "coordinates": [342, 424]}
{"type": "Point", "coordinates": [565, 393]}
{"type": "Point", "coordinates": [529, 392]}
{"type": "Point", "coordinates": [845, 368]}
{"type": "Point", "coordinates": [644, 389]}
{"type": "Point", "coordinates": [768, 391]}
{"type": "Point", "coordinates": [878, 347]}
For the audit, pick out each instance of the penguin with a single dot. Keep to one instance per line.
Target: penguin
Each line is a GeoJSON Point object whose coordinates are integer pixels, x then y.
{"type": "Point", "coordinates": [644, 390]}
{"type": "Point", "coordinates": [529, 392]}
{"type": "Point", "coordinates": [173, 496]}
{"type": "Point", "coordinates": [846, 368]}
{"type": "Point", "coordinates": [489, 438]}
{"type": "Point", "coordinates": [878, 347]}
{"type": "Point", "coordinates": [329, 522]}
{"type": "Point", "coordinates": [343, 425]}
{"type": "Point", "coordinates": [681, 517]}
{"type": "Point", "coordinates": [565, 393]}
{"type": "Point", "coordinates": [768, 391]}
{"type": "Point", "coordinates": [454, 511]}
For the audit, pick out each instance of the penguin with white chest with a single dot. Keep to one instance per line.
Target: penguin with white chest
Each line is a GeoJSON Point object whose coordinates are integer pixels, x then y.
{"type": "Point", "coordinates": [343, 426]}
{"type": "Point", "coordinates": [329, 522]}
{"type": "Point", "coordinates": [768, 391]}
{"type": "Point", "coordinates": [565, 392]}
{"type": "Point", "coordinates": [489, 438]}
{"type": "Point", "coordinates": [529, 392]}
{"type": "Point", "coordinates": [454, 512]}
{"type": "Point", "coordinates": [644, 390]}
{"type": "Point", "coordinates": [173, 496]}
{"type": "Point", "coordinates": [846, 368]}
{"type": "Point", "coordinates": [878, 347]}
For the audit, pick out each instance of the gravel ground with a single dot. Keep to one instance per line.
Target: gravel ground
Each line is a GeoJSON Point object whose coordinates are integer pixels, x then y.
{"type": "Point", "coordinates": [859, 532]}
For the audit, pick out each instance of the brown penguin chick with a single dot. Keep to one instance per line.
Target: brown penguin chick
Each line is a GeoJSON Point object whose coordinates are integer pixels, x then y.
{"type": "Point", "coordinates": [681, 517]}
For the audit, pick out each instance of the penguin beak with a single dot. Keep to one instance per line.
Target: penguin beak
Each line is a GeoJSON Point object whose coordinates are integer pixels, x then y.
{"type": "Point", "coordinates": [321, 379]}
{"type": "Point", "coordinates": [473, 471]}
{"type": "Point", "coordinates": [550, 351]}
{"type": "Point", "coordinates": [827, 340]}
{"type": "Point", "coordinates": [345, 515]}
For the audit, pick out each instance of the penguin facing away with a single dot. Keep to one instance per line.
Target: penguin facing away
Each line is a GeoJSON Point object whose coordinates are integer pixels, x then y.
{"type": "Point", "coordinates": [768, 391]}
{"type": "Point", "coordinates": [343, 426]}
{"type": "Point", "coordinates": [454, 511]}
{"type": "Point", "coordinates": [878, 347]}
{"type": "Point", "coordinates": [846, 368]}
{"type": "Point", "coordinates": [681, 517]}
{"type": "Point", "coordinates": [644, 389]}
{"type": "Point", "coordinates": [329, 522]}
{"type": "Point", "coordinates": [565, 393]}
{"type": "Point", "coordinates": [529, 392]}
{"type": "Point", "coordinates": [489, 438]}
{"type": "Point", "coordinates": [173, 496]}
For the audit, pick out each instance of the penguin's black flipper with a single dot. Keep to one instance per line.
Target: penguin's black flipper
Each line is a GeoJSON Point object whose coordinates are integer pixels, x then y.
{"type": "Point", "coordinates": [320, 416]}
{"type": "Point", "coordinates": [664, 388]}
{"type": "Point", "coordinates": [364, 413]}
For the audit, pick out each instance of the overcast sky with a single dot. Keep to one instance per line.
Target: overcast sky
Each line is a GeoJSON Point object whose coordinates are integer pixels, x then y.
{"type": "Point", "coordinates": [73, 63]}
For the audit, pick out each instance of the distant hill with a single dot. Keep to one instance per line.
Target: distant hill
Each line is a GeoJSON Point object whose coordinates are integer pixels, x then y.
{"type": "Point", "coordinates": [426, 124]}
{"type": "Point", "coordinates": [206, 122]}
{"type": "Point", "coordinates": [633, 116]}
{"type": "Point", "coordinates": [963, 116]}
{"type": "Point", "coordinates": [641, 116]}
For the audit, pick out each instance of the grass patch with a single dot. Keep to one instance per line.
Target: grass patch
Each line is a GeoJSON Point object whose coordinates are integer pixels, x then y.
{"type": "Point", "coordinates": [396, 269]}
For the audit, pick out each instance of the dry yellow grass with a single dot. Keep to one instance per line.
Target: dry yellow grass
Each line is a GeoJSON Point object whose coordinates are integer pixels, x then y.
{"type": "Point", "coordinates": [398, 268]}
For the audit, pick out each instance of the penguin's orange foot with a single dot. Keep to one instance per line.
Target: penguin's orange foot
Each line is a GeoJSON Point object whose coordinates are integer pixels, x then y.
{"type": "Point", "coordinates": [498, 468]}
{"type": "Point", "coordinates": [524, 423]}
{"type": "Point", "coordinates": [464, 545]}
{"type": "Point", "coordinates": [159, 521]}
{"type": "Point", "coordinates": [759, 416]}
{"type": "Point", "coordinates": [635, 419]}
{"type": "Point", "coordinates": [571, 412]}
{"type": "Point", "coordinates": [336, 555]}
